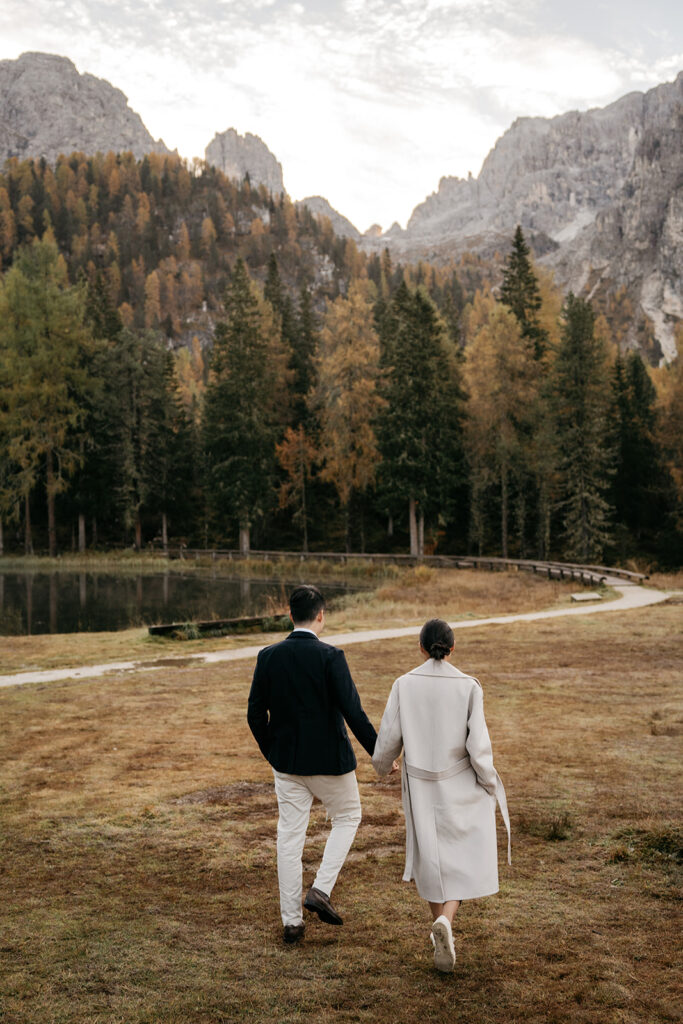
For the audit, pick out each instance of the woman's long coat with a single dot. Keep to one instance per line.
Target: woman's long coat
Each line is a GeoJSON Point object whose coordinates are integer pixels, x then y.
{"type": "Point", "coordinates": [449, 785]}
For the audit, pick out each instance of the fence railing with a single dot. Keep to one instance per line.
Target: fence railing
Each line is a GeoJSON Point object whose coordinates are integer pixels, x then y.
{"type": "Point", "coordinates": [592, 575]}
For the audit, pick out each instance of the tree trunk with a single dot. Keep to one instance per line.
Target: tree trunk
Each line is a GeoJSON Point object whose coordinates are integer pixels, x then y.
{"type": "Point", "coordinates": [28, 537]}
{"type": "Point", "coordinates": [94, 532]}
{"type": "Point", "coordinates": [543, 521]}
{"type": "Point", "coordinates": [304, 515]}
{"type": "Point", "coordinates": [244, 539]}
{"type": "Point", "coordinates": [138, 532]}
{"type": "Point", "coordinates": [2, 540]}
{"type": "Point", "coordinates": [81, 532]}
{"type": "Point", "coordinates": [347, 529]}
{"type": "Point", "coordinates": [362, 527]}
{"type": "Point", "coordinates": [164, 531]}
{"type": "Point", "coordinates": [421, 535]}
{"type": "Point", "coordinates": [504, 512]}
{"type": "Point", "coordinates": [412, 520]}
{"type": "Point", "coordinates": [390, 526]}
{"type": "Point", "coordinates": [521, 523]}
{"type": "Point", "coordinates": [50, 488]}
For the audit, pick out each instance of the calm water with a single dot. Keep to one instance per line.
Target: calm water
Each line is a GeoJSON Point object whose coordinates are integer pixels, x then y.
{"type": "Point", "coordinates": [71, 602]}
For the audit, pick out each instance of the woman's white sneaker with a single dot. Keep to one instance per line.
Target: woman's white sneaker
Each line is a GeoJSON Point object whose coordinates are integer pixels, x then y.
{"type": "Point", "coordinates": [444, 950]}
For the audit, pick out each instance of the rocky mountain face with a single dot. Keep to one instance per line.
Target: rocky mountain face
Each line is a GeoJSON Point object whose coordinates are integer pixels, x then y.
{"type": "Point", "coordinates": [238, 155]}
{"type": "Point", "coordinates": [48, 108]}
{"type": "Point", "coordinates": [599, 196]}
{"type": "Point", "coordinates": [320, 207]}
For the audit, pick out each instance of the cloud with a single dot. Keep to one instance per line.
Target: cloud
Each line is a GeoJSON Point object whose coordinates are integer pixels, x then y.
{"type": "Point", "coordinates": [369, 102]}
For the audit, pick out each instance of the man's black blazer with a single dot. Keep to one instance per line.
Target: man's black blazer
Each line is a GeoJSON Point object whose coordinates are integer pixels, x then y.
{"type": "Point", "coordinates": [301, 693]}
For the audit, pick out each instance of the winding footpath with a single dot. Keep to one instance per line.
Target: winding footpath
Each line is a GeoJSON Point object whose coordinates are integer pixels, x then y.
{"type": "Point", "coordinates": [631, 596]}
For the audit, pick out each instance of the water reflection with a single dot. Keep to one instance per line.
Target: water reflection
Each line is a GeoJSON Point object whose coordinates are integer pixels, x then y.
{"type": "Point", "coordinates": [69, 602]}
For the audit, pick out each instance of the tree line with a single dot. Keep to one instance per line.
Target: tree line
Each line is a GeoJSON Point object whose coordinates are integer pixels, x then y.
{"type": "Point", "coordinates": [505, 424]}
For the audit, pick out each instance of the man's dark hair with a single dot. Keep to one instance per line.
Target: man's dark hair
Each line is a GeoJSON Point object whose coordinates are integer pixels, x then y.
{"type": "Point", "coordinates": [305, 602]}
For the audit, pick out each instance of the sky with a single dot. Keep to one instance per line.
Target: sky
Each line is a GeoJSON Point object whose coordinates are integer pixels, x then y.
{"type": "Point", "coordinates": [365, 102]}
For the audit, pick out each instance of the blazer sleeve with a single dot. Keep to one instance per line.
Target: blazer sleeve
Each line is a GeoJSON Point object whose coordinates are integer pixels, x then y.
{"type": "Point", "coordinates": [257, 710]}
{"type": "Point", "coordinates": [347, 700]}
{"type": "Point", "coordinates": [390, 737]}
{"type": "Point", "coordinates": [478, 743]}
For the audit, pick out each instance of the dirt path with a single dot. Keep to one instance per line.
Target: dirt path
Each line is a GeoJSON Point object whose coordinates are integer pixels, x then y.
{"type": "Point", "coordinates": [631, 596]}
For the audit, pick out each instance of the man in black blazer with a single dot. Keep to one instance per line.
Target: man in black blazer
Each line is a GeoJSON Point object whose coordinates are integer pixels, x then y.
{"type": "Point", "coordinates": [301, 695]}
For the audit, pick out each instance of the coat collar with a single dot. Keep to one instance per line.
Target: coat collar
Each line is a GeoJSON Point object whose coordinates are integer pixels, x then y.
{"type": "Point", "coordinates": [431, 667]}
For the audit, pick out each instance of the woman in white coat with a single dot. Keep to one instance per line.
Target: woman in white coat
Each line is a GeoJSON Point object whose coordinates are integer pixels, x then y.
{"type": "Point", "coordinates": [449, 785]}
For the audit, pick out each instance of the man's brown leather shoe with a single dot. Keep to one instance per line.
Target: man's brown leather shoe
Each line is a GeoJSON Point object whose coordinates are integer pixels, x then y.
{"type": "Point", "coordinates": [318, 903]}
{"type": "Point", "coordinates": [294, 932]}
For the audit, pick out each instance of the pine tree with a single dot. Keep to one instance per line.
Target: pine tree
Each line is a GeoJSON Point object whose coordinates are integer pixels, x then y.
{"type": "Point", "coordinates": [642, 489]}
{"type": "Point", "coordinates": [245, 407]}
{"type": "Point", "coordinates": [305, 342]}
{"type": "Point", "coordinates": [582, 395]}
{"type": "Point", "coordinates": [520, 293]}
{"type": "Point", "coordinates": [419, 429]}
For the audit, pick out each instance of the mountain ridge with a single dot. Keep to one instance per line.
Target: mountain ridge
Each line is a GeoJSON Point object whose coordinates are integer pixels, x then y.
{"type": "Point", "coordinates": [598, 193]}
{"type": "Point", "coordinates": [47, 108]}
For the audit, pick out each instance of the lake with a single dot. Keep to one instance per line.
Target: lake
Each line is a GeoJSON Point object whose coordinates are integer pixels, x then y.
{"type": "Point", "coordinates": [74, 602]}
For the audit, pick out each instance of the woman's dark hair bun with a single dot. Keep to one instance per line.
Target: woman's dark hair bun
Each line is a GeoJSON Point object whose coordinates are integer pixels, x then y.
{"type": "Point", "coordinates": [436, 637]}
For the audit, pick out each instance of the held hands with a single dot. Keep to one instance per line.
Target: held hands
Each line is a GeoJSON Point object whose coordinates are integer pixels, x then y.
{"type": "Point", "coordinates": [395, 767]}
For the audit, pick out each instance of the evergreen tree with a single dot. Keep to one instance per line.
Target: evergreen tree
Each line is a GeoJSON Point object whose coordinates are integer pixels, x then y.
{"type": "Point", "coordinates": [582, 395]}
{"type": "Point", "coordinates": [520, 293]}
{"type": "Point", "coordinates": [245, 408]}
{"type": "Point", "coordinates": [419, 428]}
{"type": "Point", "coordinates": [167, 453]}
{"type": "Point", "coordinates": [44, 342]}
{"type": "Point", "coordinates": [642, 489]}
{"type": "Point", "coordinates": [140, 425]}
{"type": "Point", "coordinates": [305, 343]}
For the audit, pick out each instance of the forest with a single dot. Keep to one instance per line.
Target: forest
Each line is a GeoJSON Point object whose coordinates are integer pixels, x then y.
{"type": "Point", "coordinates": [187, 360]}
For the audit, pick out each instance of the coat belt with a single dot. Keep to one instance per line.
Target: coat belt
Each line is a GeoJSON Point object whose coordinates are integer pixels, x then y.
{"type": "Point", "coordinates": [455, 769]}
{"type": "Point", "coordinates": [447, 773]}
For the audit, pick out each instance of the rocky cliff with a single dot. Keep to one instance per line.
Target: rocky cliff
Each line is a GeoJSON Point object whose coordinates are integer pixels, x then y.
{"type": "Point", "coordinates": [320, 207]}
{"type": "Point", "coordinates": [48, 108]}
{"type": "Point", "coordinates": [238, 155]}
{"type": "Point", "coordinates": [599, 194]}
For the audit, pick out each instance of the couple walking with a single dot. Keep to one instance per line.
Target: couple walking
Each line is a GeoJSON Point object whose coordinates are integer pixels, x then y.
{"type": "Point", "coordinates": [302, 694]}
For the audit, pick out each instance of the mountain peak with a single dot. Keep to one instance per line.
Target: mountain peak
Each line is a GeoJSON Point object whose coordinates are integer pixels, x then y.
{"type": "Point", "coordinates": [238, 155]}
{"type": "Point", "coordinates": [47, 108]}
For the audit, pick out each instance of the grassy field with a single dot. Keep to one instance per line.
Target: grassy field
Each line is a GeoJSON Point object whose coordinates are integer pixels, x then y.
{"type": "Point", "coordinates": [137, 846]}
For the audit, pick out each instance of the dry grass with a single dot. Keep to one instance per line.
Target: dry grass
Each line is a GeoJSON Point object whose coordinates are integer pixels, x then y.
{"type": "Point", "coordinates": [666, 580]}
{"type": "Point", "coordinates": [406, 598]}
{"type": "Point", "coordinates": [137, 859]}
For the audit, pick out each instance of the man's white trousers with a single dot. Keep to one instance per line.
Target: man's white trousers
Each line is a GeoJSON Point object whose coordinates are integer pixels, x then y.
{"type": "Point", "coordinates": [340, 798]}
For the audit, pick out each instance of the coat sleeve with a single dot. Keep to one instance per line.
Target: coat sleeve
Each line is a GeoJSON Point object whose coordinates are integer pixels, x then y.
{"type": "Point", "coordinates": [347, 700]}
{"type": "Point", "coordinates": [390, 737]}
{"type": "Point", "coordinates": [257, 710]}
{"type": "Point", "coordinates": [478, 743]}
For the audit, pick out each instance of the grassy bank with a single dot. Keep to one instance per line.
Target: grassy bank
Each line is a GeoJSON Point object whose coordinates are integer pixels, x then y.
{"type": "Point", "coordinates": [137, 848]}
{"type": "Point", "coordinates": [404, 597]}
